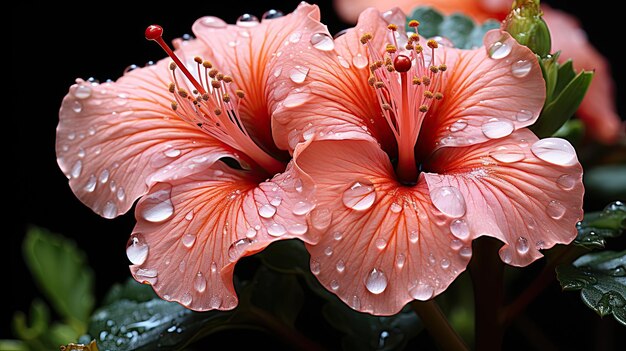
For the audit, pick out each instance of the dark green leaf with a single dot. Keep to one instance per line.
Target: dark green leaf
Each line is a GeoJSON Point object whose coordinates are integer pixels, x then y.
{"type": "Point", "coordinates": [13, 345]}
{"type": "Point", "coordinates": [130, 290]}
{"type": "Point", "coordinates": [573, 131]}
{"type": "Point", "coordinates": [461, 30]}
{"type": "Point", "coordinates": [596, 227]}
{"type": "Point", "coordinates": [39, 320]}
{"type": "Point", "coordinates": [61, 271]}
{"type": "Point", "coordinates": [607, 181]}
{"type": "Point", "coordinates": [601, 277]}
{"type": "Point", "coordinates": [279, 294]}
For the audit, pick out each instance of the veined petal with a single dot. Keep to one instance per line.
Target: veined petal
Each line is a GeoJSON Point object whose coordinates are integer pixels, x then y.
{"type": "Point", "coordinates": [381, 244]}
{"type": "Point", "coordinates": [248, 52]}
{"type": "Point", "coordinates": [322, 89]}
{"type": "Point", "coordinates": [523, 191]}
{"type": "Point", "coordinates": [191, 232]}
{"type": "Point", "coordinates": [488, 93]}
{"type": "Point", "coordinates": [114, 140]}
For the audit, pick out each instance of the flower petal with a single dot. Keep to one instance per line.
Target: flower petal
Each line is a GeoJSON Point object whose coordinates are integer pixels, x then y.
{"type": "Point", "coordinates": [322, 90]}
{"type": "Point", "coordinates": [523, 191]}
{"type": "Point", "coordinates": [191, 232]}
{"type": "Point", "coordinates": [489, 92]}
{"type": "Point", "coordinates": [248, 52]}
{"type": "Point", "coordinates": [381, 244]}
{"type": "Point", "coordinates": [598, 109]}
{"type": "Point", "coordinates": [116, 139]}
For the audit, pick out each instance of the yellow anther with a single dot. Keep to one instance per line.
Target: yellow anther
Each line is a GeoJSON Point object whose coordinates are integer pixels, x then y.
{"type": "Point", "coordinates": [373, 67]}
{"type": "Point", "coordinates": [414, 23]}
{"type": "Point", "coordinates": [386, 107]}
{"type": "Point", "coordinates": [428, 94]}
{"type": "Point", "coordinates": [390, 68]}
{"type": "Point", "coordinates": [226, 97]}
{"type": "Point", "coordinates": [172, 66]}
{"type": "Point", "coordinates": [239, 93]}
{"type": "Point", "coordinates": [213, 72]}
{"type": "Point", "coordinates": [220, 76]}
{"type": "Point", "coordinates": [371, 80]}
{"type": "Point", "coordinates": [218, 111]}
{"type": "Point", "coordinates": [423, 108]}
{"type": "Point", "coordinates": [205, 96]}
{"type": "Point", "coordinates": [365, 38]}
{"type": "Point", "coordinates": [183, 93]}
{"type": "Point", "coordinates": [174, 105]}
{"type": "Point", "coordinates": [216, 84]}
{"type": "Point", "coordinates": [194, 92]}
{"type": "Point", "coordinates": [432, 44]}
{"type": "Point", "coordinates": [379, 63]}
{"type": "Point", "coordinates": [207, 64]}
{"type": "Point", "coordinates": [388, 61]}
{"type": "Point", "coordinates": [392, 27]}
{"type": "Point", "coordinates": [228, 79]}
{"type": "Point", "coordinates": [438, 96]}
{"type": "Point", "coordinates": [426, 80]}
{"type": "Point", "coordinates": [409, 46]}
{"type": "Point", "coordinates": [414, 37]}
{"type": "Point", "coordinates": [379, 85]}
{"type": "Point", "coordinates": [434, 69]}
{"type": "Point", "coordinates": [391, 48]}
{"type": "Point", "coordinates": [417, 81]}
{"type": "Point", "coordinates": [443, 67]}
{"type": "Point", "coordinates": [198, 59]}
{"type": "Point", "coordinates": [172, 88]}
{"type": "Point", "coordinates": [419, 48]}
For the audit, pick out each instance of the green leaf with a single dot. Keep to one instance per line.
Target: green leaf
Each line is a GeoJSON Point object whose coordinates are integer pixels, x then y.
{"type": "Point", "coordinates": [13, 345]}
{"type": "Point", "coordinates": [461, 30]}
{"type": "Point", "coordinates": [601, 277]}
{"type": "Point", "coordinates": [61, 271]}
{"type": "Point", "coordinates": [596, 227]}
{"type": "Point", "coordinates": [130, 290]}
{"type": "Point", "coordinates": [573, 131]}
{"type": "Point", "coordinates": [39, 320]}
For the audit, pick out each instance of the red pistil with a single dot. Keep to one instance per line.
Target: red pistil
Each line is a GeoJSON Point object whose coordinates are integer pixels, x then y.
{"type": "Point", "coordinates": [402, 63]}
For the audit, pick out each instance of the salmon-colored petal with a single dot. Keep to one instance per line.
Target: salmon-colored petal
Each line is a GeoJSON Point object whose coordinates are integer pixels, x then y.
{"type": "Point", "coordinates": [320, 88]}
{"type": "Point", "coordinates": [248, 52]}
{"type": "Point", "coordinates": [523, 191]}
{"type": "Point", "coordinates": [598, 109]}
{"type": "Point", "coordinates": [488, 93]}
{"type": "Point", "coordinates": [381, 244]}
{"type": "Point", "coordinates": [114, 140]}
{"type": "Point", "coordinates": [191, 232]}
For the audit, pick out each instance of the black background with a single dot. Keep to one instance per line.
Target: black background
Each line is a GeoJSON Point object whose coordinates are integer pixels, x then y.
{"type": "Point", "coordinates": [51, 46]}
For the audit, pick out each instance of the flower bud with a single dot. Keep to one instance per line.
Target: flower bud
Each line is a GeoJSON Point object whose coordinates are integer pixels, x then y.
{"type": "Point", "coordinates": [526, 25]}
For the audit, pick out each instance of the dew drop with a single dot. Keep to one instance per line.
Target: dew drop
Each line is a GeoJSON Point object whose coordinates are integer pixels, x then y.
{"type": "Point", "coordinates": [343, 62]}
{"type": "Point", "coordinates": [521, 68]}
{"type": "Point", "coordinates": [276, 229]}
{"type": "Point", "coordinates": [213, 267]}
{"type": "Point", "coordinates": [276, 201]}
{"type": "Point", "coordinates": [322, 41]}
{"type": "Point", "coordinates": [359, 61]}
{"type": "Point", "coordinates": [328, 251]}
{"type": "Point", "coordinates": [445, 263]}
{"type": "Point", "coordinates": [212, 22]}
{"type": "Point", "coordinates": [188, 240]}
{"type": "Point", "coordinates": [334, 285]}
{"type": "Point", "coordinates": [215, 301]}
{"type": "Point", "coordinates": [297, 98]}
{"type": "Point", "coordinates": [359, 196]}
{"type": "Point", "coordinates": [566, 182]}
{"type": "Point", "coordinates": [302, 207]}
{"type": "Point", "coordinates": [414, 236]}
{"type": "Point", "coordinates": [181, 266]}
{"type": "Point", "coordinates": [524, 115]}
{"type": "Point", "coordinates": [505, 255]}
{"type": "Point", "coordinates": [297, 228]}
{"type": "Point", "coordinates": [555, 150]}
{"type": "Point", "coordinates": [321, 218]}
{"type": "Point", "coordinates": [247, 20]}
{"type": "Point", "coordinates": [110, 210]}
{"type": "Point", "coordinates": [458, 126]}
{"type": "Point", "coordinates": [186, 299]}
{"type": "Point", "coordinates": [120, 194]}
{"type": "Point", "coordinates": [421, 291]}
{"type": "Point", "coordinates": [298, 74]}
{"type": "Point", "coordinates": [267, 211]}
{"type": "Point", "coordinates": [158, 207]}
{"type": "Point", "coordinates": [400, 260]}
{"type": "Point", "coordinates": [172, 153]}
{"type": "Point", "coordinates": [456, 244]}
{"type": "Point", "coordinates": [237, 248]}
{"type": "Point", "coordinates": [395, 207]}
{"type": "Point", "coordinates": [189, 215]}
{"type": "Point", "coordinates": [494, 129]}
{"type": "Point", "coordinates": [295, 37]}
{"type": "Point", "coordinates": [77, 169]}
{"type": "Point", "coordinates": [459, 228]}
{"type": "Point", "coordinates": [449, 201]}
{"type": "Point", "coordinates": [77, 106]}
{"type": "Point", "coordinates": [278, 71]}
{"type": "Point", "coordinates": [271, 14]}
{"type": "Point", "coordinates": [354, 302]}
{"type": "Point", "coordinates": [104, 176]}
{"type": "Point", "coordinates": [250, 233]}
{"type": "Point", "coordinates": [555, 209]}
{"type": "Point", "coordinates": [147, 275]}
{"type": "Point", "coordinates": [137, 249]}
{"type": "Point", "coordinates": [466, 251]}
{"type": "Point", "coordinates": [341, 266]}
{"type": "Point", "coordinates": [337, 235]}
{"type": "Point", "coordinates": [522, 245]}
{"type": "Point", "coordinates": [380, 243]}
{"type": "Point", "coordinates": [199, 283]}
{"type": "Point", "coordinates": [508, 153]}
{"type": "Point", "coordinates": [315, 267]}
{"type": "Point", "coordinates": [499, 50]}
{"type": "Point", "coordinates": [82, 91]}
{"type": "Point", "coordinates": [376, 281]}
{"type": "Point", "coordinates": [81, 152]}
{"type": "Point", "coordinates": [91, 184]}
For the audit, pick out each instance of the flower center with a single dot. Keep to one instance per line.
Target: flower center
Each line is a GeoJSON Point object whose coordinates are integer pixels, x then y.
{"type": "Point", "coordinates": [407, 82]}
{"type": "Point", "coordinates": [211, 104]}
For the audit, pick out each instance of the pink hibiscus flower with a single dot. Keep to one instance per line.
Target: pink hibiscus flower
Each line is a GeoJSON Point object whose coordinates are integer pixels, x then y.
{"type": "Point", "coordinates": [164, 134]}
{"type": "Point", "coordinates": [598, 109]}
{"type": "Point", "coordinates": [416, 149]}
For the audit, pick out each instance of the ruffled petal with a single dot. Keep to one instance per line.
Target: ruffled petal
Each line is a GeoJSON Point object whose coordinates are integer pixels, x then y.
{"type": "Point", "coordinates": [598, 109]}
{"type": "Point", "coordinates": [320, 88]}
{"type": "Point", "coordinates": [116, 139]}
{"type": "Point", "coordinates": [191, 232]}
{"type": "Point", "coordinates": [526, 192]}
{"type": "Point", "coordinates": [248, 52]}
{"type": "Point", "coordinates": [381, 244]}
{"type": "Point", "coordinates": [488, 93]}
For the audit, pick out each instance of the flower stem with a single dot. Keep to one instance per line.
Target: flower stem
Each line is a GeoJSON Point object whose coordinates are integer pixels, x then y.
{"type": "Point", "coordinates": [437, 325]}
{"type": "Point", "coordinates": [487, 270]}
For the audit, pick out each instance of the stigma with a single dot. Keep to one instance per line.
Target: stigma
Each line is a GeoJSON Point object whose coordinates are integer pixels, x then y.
{"type": "Point", "coordinates": [408, 81]}
{"type": "Point", "coordinates": [207, 100]}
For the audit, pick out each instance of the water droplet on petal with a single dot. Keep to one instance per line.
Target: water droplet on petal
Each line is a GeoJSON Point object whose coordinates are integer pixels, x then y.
{"type": "Point", "coordinates": [341, 266]}
{"type": "Point", "coordinates": [359, 61]}
{"type": "Point", "coordinates": [172, 152]}
{"type": "Point", "coordinates": [199, 283]}
{"type": "Point", "coordinates": [499, 50]}
{"type": "Point", "coordinates": [334, 285]}
{"type": "Point", "coordinates": [137, 249]}
{"type": "Point", "coordinates": [188, 239]}
{"type": "Point", "coordinates": [555, 209]}
{"type": "Point", "coordinates": [297, 98]}
{"type": "Point", "coordinates": [359, 196]}
{"type": "Point", "coordinates": [271, 14]}
{"type": "Point", "coordinates": [302, 207]}
{"type": "Point", "coordinates": [494, 129]}
{"type": "Point", "coordinates": [276, 229]}
{"type": "Point", "coordinates": [466, 251]}
{"type": "Point", "coordinates": [157, 206]}
{"type": "Point", "coordinates": [104, 176]}
{"type": "Point", "coordinates": [267, 211]}
{"type": "Point", "coordinates": [295, 37]}
{"type": "Point", "coordinates": [400, 260]}
{"type": "Point", "coordinates": [328, 251]}
{"type": "Point", "coordinates": [521, 68]}
{"type": "Point", "coordinates": [147, 275]}
{"type": "Point", "coordinates": [458, 126]}
{"type": "Point", "coordinates": [554, 150]}
{"type": "Point", "coordinates": [395, 207]}
{"type": "Point", "coordinates": [566, 182]}
{"type": "Point", "coordinates": [445, 263]}
{"type": "Point", "coordinates": [212, 22]}
{"type": "Point", "coordinates": [456, 244]}
{"type": "Point", "coordinates": [414, 236]}
{"type": "Point", "coordinates": [110, 210]}
{"type": "Point", "coordinates": [298, 74]}
{"type": "Point", "coordinates": [376, 281]}
{"type": "Point", "coordinates": [380, 243]}
{"type": "Point", "coordinates": [343, 62]}
{"type": "Point", "coordinates": [278, 71]}
{"type": "Point", "coordinates": [506, 256]}
{"type": "Point", "coordinates": [322, 41]}
{"type": "Point", "coordinates": [77, 169]}
{"type": "Point", "coordinates": [82, 91]}
{"type": "Point", "coordinates": [215, 301]}
{"type": "Point", "coordinates": [186, 299]}
{"type": "Point", "coordinates": [297, 228]}
{"type": "Point", "coordinates": [90, 186]}
{"type": "Point", "coordinates": [315, 267]}
{"type": "Point", "coordinates": [522, 245]}
{"type": "Point", "coordinates": [421, 291]}
{"type": "Point", "coordinates": [459, 228]}
{"type": "Point", "coordinates": [120, 194]}
{"type": "Point", "coordinates": [81, 152]}
{"type": "Point", "coordinates": [77, 107]}
{"type": "Point", "coordinates": [355, 302]}
{"type": "Point", "coordinates": [337, 235]}
{"type": "Point", "coordinates": [275, 201]}
{"type": "Point", "coordinates": [321, 218]}
{"type": "Point", "coordinates": [236, 249]}
{"type": "Point", "coordinates": [449, 201]}
{"type": "Point", "coordinates": [508, 153]}
{"type": "Point", "coordinates": [247, 20]}
{"type": "Point", "coordinates": [524, 115]}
